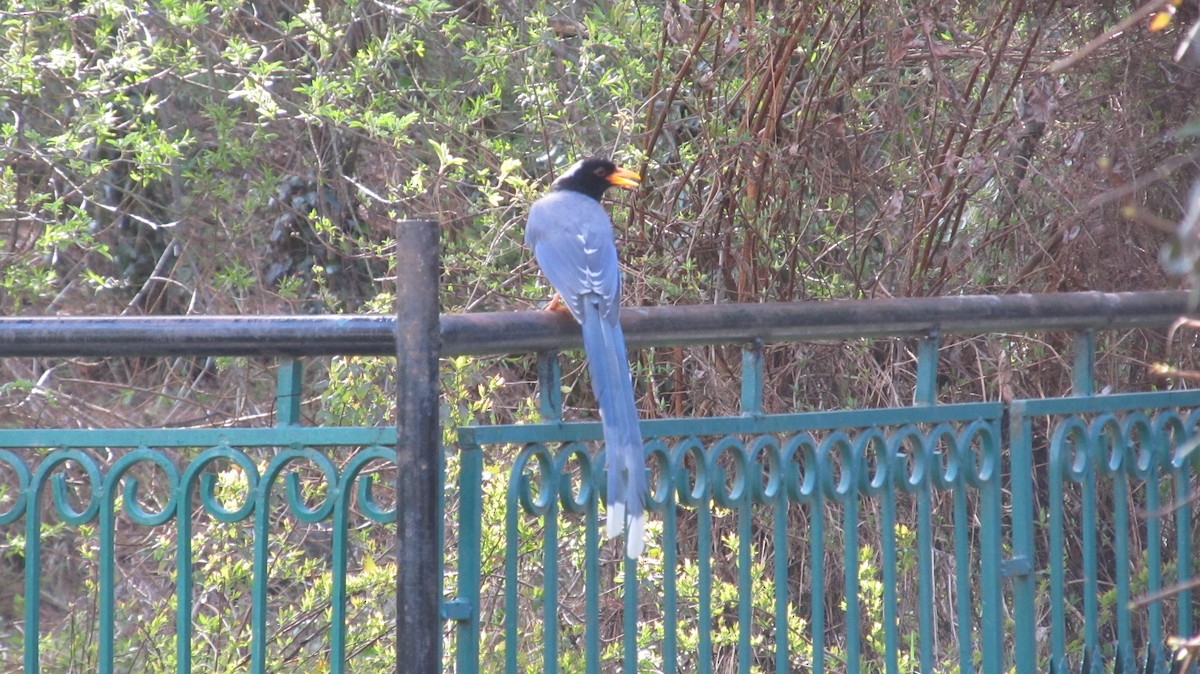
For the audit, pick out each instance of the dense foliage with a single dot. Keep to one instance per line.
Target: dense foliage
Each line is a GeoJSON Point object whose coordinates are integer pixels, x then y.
{"type": "Point", "coordinates": [212, 156]}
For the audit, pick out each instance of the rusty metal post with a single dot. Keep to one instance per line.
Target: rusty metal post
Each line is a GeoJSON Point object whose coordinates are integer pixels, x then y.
{"type": "Point", "coordinates": [419, 573]}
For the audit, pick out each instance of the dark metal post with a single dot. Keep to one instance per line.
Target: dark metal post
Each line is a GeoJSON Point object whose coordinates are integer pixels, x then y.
{"type": "Point", "coordinates": [419, 574]}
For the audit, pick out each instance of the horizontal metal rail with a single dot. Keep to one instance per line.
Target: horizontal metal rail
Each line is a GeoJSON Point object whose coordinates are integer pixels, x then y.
{"type": "Point", "coordinates": [532, 331]}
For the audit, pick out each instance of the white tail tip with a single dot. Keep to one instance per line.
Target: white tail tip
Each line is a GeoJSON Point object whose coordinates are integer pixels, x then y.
{"type": "Point", "coordinates": [635, 538]}
{"type": "Point", "coordinates": [616, 519]}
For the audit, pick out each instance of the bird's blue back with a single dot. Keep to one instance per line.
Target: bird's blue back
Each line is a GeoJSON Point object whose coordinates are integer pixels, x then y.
{"type": "Point", "coordinates": [572, 237]}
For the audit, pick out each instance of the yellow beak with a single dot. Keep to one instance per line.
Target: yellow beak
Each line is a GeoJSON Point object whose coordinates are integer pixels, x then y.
{"type": "Point", "coordinates": [625, 178]}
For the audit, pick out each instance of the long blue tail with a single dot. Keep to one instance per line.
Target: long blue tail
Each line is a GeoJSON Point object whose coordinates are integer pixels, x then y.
{"type": "Point", "coordinates": [608, 363]}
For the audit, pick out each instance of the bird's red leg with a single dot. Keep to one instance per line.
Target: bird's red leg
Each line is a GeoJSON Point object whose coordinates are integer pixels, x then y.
{"type": "Point", "coordinates": [557, 304]}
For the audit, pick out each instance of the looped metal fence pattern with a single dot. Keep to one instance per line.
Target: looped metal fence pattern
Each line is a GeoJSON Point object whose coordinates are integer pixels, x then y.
{"type": "Point", "coordinates": [748, 493]}
{"type": "Point", "coordinates": [222, 481]}
{"type": "Point", "coordinates": [733, 473]}
{"type": "Point", "coordinates": [820, 510]}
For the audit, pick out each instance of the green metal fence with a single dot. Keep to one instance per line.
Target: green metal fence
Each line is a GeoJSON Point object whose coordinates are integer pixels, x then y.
{"type": "Point", "coordinates": [928, 538]}
{"type": "Point", "coordinates": [935, 537]}
{"type": "Point", "coordinates": [94, 478]}
{"type": "Point", "coordinates": [1117, 457]}
{"type": "Point", "coordinates": [748, 488]}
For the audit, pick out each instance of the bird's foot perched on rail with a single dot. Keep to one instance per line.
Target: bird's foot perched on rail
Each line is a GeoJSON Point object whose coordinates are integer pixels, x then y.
{"type": "Point", "coordinates": [556, 304]}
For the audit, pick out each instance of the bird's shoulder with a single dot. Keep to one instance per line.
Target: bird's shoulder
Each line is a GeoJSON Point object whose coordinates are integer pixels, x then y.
{"type": "Point", "coordinates": [567, 212]}
{"type": "Point", "coordinates": [567, 207]}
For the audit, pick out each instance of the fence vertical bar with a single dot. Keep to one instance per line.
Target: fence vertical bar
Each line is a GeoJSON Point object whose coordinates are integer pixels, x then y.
{"type": "Point", "coordinates": [927, 364]}
{"type": "Point", "coordinates": [990, 551]}
{"type": "Point", "coordinates": [418, 576]}
{"type": "Point", "coordinates": [752, 378]}
{"type": "Point", "coordinates": [925, 567]}
{"type": "Point", "coordinates": [1082, 383]}
{"type": "Point", "coordinates": [512, 546]}
{"type": "Point", "coordinates": [1183, 546]}
{"type": "Point", "coordinates": [33, 567]}
{"type": "Point", "coordinates": [1120, 491]}
{"type": "Point", "coordinates": [816, 556]}
{"type": "Point", "coordinates": [1021, 485]}
{"type": "Point", "coordinates": [550, 576]}
{"type": "Point", "coordinates": [1058, 599]}
{"type": "Point", "coordinates": [630, 618]}
{"type": "Point", "coordinates": [962, 573]}
{"type": "Point", "coordinates": [107, 573]}
{"type": "Point", "coordinates": [670, 647]}
{"type": "Point", "coordinates": [550, 400]}
{"type": "Point", "coordinates": [470, 533]}
{"type": "Point", "coordinates": [850, 573]}
{"type": "Point", "coordinates": [704, 564]}
{"type": "Point", "coordinates": [258, 586]}
{"type": "Point", "coordinates": [888, 554]}
{"type": "Point", "coordinates": [926, 394]}
{"type": "Point", "coordinates": [1159, 453]}
{"type": "Point", "coordinates": [340, 532]}
{"type": "Point", "coordinates": [290, 379]}
{"type": "Point", "coordinates": [591, 578]}
{"type": "Point", "coordinates": [1089, 526]}
{"type": "Point", "coordinates": [183, 577]}
{"type": "Point", "coordinates": [780, 542]}
{"type": "Point", "coordinates": [745, 584]}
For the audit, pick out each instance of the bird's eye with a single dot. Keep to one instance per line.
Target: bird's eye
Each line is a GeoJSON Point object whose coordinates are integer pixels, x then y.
{"type": "Point", "coordinates": [602, 172]}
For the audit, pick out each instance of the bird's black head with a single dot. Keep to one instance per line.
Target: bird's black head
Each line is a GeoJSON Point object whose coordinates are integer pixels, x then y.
{"type": "Point", "coordinates": [594, 175]}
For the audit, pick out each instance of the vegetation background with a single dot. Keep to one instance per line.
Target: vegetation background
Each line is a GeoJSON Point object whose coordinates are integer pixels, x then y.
{"type": "Point", "coordinates": [178, 157]}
